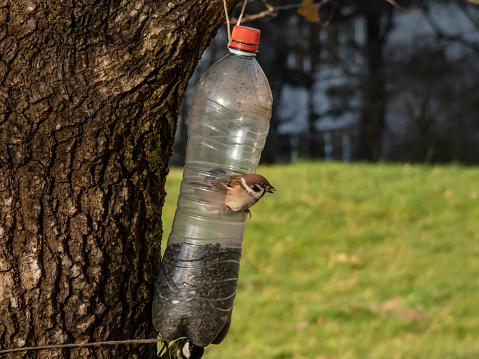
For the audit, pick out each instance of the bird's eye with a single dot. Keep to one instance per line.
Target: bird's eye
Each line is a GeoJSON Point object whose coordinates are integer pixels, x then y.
{"type": "Point", "coordinates": [257, 188]}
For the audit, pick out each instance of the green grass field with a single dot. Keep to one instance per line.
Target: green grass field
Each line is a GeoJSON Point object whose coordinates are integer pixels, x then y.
{"type": "Point", "coordinates": [357, 261]}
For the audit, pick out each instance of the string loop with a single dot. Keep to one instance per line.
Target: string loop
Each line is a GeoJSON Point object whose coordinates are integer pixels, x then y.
{"type": "Point", "coordinates": [228, 19]}
{"type": "Point", "coordinates": [242, 12]}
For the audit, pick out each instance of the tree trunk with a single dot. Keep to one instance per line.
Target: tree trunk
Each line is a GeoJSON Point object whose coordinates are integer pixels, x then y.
{"type": "Point", "coordinates": [374, 100]}
{"type": "Point", "coordinates": [89, 96]}
{"type": "Point", "coordinates": [315, 55]}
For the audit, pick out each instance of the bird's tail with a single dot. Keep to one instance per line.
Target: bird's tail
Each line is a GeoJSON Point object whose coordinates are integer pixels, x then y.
{"type": "Point", "coordinates": [181, 349]}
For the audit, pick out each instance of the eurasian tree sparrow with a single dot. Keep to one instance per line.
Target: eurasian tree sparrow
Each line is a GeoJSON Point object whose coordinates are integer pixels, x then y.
{"type": "Point", "coordinates": [237, 192]}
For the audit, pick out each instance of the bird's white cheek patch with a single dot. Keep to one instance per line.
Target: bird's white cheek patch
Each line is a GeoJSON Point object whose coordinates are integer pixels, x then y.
{"type": "Point", "coordinates": [247, 188]}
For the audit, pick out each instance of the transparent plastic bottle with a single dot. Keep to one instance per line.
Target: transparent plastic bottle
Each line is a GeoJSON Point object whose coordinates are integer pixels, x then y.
{"type": "Point", "coordinates": [229, 122]}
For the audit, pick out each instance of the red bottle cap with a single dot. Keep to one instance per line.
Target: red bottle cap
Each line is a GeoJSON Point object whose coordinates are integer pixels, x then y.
{"type": "Point", "coordinates": [245, 38]}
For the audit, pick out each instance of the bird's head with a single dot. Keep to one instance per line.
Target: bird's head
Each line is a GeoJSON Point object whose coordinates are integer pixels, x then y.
{"type": "Point", "coordinates": [257, 185]}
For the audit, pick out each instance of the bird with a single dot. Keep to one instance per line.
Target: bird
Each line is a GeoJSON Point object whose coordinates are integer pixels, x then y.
{"type": "Point", "coordinates": [236, 193]}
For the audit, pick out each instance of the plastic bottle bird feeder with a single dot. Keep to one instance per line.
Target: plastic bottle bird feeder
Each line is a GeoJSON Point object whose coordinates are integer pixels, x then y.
{"type": "Point", "coordinates": [229, 122]}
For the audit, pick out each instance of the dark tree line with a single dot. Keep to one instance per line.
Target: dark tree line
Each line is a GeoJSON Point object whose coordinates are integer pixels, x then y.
{"type": "Point", "coordinates": [409, 100]}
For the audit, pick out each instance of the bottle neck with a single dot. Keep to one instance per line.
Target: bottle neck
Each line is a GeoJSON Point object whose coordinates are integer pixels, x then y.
{"type": "Point", "coordinates": [239, 52]}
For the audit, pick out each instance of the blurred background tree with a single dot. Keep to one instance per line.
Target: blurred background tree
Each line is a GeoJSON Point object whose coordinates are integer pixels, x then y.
{"type": "Point", "coordinates": [368, 81]}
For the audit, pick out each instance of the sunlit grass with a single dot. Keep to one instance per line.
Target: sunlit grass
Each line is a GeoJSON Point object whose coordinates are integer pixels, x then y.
{"type": "Point", "coordinates": [357, 261]}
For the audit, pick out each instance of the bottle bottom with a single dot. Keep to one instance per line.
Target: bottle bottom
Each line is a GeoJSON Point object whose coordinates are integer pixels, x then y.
{"type": "Point", "coordinates": [195, 291]}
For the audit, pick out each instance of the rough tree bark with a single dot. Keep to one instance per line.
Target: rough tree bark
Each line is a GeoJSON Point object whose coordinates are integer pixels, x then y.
{"type": "Point", "coordinates": [89, 96]}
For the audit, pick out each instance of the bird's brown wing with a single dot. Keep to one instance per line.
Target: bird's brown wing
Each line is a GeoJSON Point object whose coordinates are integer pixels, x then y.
{"type": "Point", "coordinates": [221, 184]}
{"type": "Point", "coordinates": [234, 181]}
{"type": "Point", "coordinates": [211, 194]}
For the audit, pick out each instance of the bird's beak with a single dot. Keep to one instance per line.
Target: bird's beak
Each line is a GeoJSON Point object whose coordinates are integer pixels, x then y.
{"type": "Point", "coordinates": [270, 189]}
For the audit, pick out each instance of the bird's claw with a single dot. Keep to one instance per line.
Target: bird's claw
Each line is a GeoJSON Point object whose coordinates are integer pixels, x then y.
{"type": "Point", "coordinates": [245, 210]}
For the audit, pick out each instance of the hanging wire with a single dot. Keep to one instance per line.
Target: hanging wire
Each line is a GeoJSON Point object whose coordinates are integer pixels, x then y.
{"type": "Point", "coordinates": [82, 345]}
{"type": "Point", "coordinates": [242, 12]}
